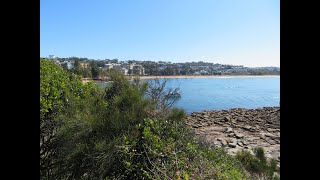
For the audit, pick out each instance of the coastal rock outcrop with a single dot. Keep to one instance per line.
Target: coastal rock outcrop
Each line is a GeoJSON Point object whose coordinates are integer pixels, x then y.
{"type": "Point", "coordinates": [240, 128]}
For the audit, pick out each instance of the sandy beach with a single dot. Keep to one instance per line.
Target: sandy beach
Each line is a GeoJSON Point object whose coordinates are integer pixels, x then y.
{"type": "Point", "coordinates": [189, 77]}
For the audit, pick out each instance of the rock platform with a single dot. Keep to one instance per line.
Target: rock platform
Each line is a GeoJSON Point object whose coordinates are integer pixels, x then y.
{"type": "Point", "coordinates": [240, 128]}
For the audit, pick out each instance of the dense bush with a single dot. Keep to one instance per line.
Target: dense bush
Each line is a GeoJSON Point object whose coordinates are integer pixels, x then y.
{"type": "Point", "coordinates": [55, 87]}
{"type": "Point", "coordinates": [257, 164]}
{"type": "Point", "coordinates": [118, 133]}
{"type": "Point", "coordinates": [59, 90]}
{"type": "Point", "coordinates": [165, 149]}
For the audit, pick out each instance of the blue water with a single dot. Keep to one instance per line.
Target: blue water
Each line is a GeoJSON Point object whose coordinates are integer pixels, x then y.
{"type": "Point", "coordinates": [226, 93]}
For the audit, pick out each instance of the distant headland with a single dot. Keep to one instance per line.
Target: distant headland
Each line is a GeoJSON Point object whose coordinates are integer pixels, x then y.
{"type": "Point", "coordinates": [98, 69]}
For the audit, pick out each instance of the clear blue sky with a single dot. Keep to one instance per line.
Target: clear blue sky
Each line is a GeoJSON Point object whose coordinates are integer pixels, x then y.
{"type": "Point", "coordinates": [245, 32]}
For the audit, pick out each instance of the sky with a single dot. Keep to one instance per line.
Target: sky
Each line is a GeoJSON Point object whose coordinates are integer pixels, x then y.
{"type": "Point", "coordinates": [238, 32]}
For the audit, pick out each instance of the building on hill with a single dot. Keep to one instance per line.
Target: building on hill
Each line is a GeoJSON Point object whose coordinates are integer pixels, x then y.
{"type": "Point", "coordinates": [122, 68]}
{"type": "Point", "coordinates": [124, 71]}
{"type": "Point", "coordinates": [84, 65]}
{"type": "Point", "coordinates": [108, 66]}
{"type": "Point", "coordinates": [137, 70]}
{"type": "Point", "coordinates": [69, 64]}
{"type": "Point", "coordinates": [117, 66]}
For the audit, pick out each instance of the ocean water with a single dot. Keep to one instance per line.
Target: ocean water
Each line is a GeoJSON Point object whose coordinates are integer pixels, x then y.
{"type": "Point", "coordinates": [201, 94]}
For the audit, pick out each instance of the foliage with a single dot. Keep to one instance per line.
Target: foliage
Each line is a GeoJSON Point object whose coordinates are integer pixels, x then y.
{"type": "Point", "coordinates": [57, 89]}
{"type": "Point", "coordinates": [115, 134]}
{"type": "Point", "coordinates": [95, 71]}
{"type": "Point", "coordinates": [84, 72]}
{"type": "Point", "coordinates": [162, 97]}
{"type": "Point", "coordinates": [165, 149]}
{"type": "Point", "coordinates": [92, 127]}
{"type": "Point", "coordinates": [257, 164]}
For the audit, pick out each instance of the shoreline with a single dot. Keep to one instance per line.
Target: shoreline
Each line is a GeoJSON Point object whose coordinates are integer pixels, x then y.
{"type": "Point", "coordinates": [203, 77]}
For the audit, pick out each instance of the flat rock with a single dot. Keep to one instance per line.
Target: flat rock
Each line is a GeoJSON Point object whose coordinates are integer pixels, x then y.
{"type": "Point", "coordinates": [228, 130]}
{"type": "Point", "coordinates": [195, 126]}
{"type": "Point", "coordinates": [232, 145]}
{"type": "Point", "coordinates": [217, 143]}
{"type": "Point", "coordinates": [245, 143]}
{"type": "Point", "coordinates": [252, 138]}
{"type": "Point", "coordinates": [247, 127]}
{"type": "Point", "coordinates": [239, 135]}
{"type": "Point", "coordinates": [224, 142]}
{"type": "Point", "coordinates": [233, 151]}
{"type": "Point", "coordinates": [271, 130]}
{"type": "Point", "coordinates": [240, 129]}
{"type": "Point", "coordinates": [229, 140]}
{"type": "Point", "coordinates": [272, 142]}
{"type": "Point", "coordinates": [272, 136]}
{"type": "Point", "coordinates": [277, 141]}
{"type": "Point", "coordinates": [240, 143]}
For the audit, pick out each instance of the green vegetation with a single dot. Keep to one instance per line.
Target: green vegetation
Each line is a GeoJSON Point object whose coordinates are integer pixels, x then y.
{"type": "Point", "coordinates": [96, 68]}
{"type": "Point", "coordinates": [126, 131]}
{"type": "Point", "coordinates": [58, 91]}
{"type": "Point", "coordinates": [257, 164]}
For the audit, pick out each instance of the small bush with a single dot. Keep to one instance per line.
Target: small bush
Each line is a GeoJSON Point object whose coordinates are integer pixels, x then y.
{"type": "Point", "coordinates": [257, 164]}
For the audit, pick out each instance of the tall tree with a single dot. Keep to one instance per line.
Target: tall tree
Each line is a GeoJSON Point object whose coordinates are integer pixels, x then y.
{"type": "Point", "coordinates": [94, 69]}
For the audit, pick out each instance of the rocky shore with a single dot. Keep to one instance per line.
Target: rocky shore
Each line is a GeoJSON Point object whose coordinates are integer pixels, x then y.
{"type": "Point", "coordinates": [239, 128]}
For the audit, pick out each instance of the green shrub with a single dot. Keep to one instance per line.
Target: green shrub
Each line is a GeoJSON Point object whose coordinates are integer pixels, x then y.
{"type": "Point", "coordinates": [62, 97]}
{"type": "Point", "coordinates": [165, 149]}
{"type": "Point", "coordinates": [116, 134]}
{"type": "Point", "coordinates": [56, 86]}
{"type": "Point", "coordinates": [257, 164]}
